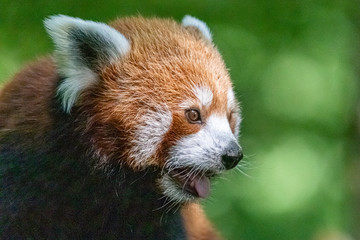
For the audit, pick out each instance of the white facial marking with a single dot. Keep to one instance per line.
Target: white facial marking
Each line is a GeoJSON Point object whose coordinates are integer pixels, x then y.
{"type": "Point", "coordinates": [237, 126]}
{"type": "Point", "coordinates": [149, 134]}
{"type": "Point", "coordinates": [204, 148]}
{"type": "Point", "coordinates": [204, 94]}
{"type": "Point", "coordinates": [230, 98]}
{"type": "Point", "coordinates": [194, 22]}
{"type": "Point", "coordinates": [231, 104]}
{"type": "Point", "coordinates": [218, 125]}
{"type": "Point", "coordinates": [200, 151]}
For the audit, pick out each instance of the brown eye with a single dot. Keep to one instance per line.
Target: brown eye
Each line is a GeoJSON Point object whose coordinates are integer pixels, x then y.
{"type": "Point", "coordinates": [193, 116]}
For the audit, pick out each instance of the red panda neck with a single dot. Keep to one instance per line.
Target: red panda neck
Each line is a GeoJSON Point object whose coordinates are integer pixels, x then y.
{"type": "Point", "coordinates": [67, 197]}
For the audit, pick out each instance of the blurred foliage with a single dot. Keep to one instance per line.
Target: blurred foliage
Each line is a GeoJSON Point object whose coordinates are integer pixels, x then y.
{"type": "Point", "coordinates": [294, 67]}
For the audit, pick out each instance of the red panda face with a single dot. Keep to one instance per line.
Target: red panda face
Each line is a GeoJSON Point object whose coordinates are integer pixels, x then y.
{"type": "Point", "coordinates": [196, 157]}
{"type": "Point", "coordinates": [157, 94]}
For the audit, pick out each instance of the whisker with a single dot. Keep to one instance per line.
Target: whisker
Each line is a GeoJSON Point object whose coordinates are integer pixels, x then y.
{"type": "Point", "coordinates": [193, 172]}
{"type": "Point", "coordinates": [247, 165]}
{"type": "Point", "coordinates": [242, 172]}
{"type": "Point", "coordinates": [223, 178]}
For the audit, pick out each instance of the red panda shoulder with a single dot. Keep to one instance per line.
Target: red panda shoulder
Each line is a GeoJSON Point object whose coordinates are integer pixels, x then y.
{"type": "Point", "coordinates": [25, 101]}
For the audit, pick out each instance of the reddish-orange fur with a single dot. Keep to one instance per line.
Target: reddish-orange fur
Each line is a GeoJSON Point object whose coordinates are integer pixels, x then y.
{"type": "Point", "coordinates": [197, 225]}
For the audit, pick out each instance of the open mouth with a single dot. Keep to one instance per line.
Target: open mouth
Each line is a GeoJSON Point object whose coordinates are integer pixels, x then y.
{"type": "Point", "coordinates": [195, 183]}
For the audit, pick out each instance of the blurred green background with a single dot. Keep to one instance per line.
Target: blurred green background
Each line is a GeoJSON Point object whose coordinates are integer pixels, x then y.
{"type": "Point", "coordinates": [295, 68]}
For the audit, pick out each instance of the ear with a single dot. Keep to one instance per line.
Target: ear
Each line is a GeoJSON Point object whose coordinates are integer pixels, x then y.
{"type": "Point", "coordinates": [189, 21]}
{"type": "Point", "coordinates": [82, 48]}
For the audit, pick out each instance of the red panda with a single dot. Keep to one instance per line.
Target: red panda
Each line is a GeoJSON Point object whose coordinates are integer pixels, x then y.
{"type": "Point", "coordinates": [118, 133]}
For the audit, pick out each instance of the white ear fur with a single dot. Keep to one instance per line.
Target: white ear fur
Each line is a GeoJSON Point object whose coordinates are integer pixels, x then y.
{"type": "Point", "coordinates": [81, 49]}
{"type": "Point", "coordinates": [200, 25]}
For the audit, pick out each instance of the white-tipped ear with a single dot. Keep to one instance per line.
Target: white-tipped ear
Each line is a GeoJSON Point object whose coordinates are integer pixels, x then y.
{"type": "Point", "coordinates": [189, 21]}
{"type": "Point", "coordinates": [82, 48]}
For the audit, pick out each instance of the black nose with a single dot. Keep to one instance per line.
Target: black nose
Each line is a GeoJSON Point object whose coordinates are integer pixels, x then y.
{"type": "Point", "coordinates": [232, 158]}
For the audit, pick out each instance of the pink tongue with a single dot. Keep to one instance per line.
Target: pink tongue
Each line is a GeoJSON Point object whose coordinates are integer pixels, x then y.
{"type": "Point", "coordinates": [202, 186]}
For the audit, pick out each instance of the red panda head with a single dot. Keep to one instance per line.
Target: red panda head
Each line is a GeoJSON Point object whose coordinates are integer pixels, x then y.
{"type": "Point", "coordinates": [154, 93]}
